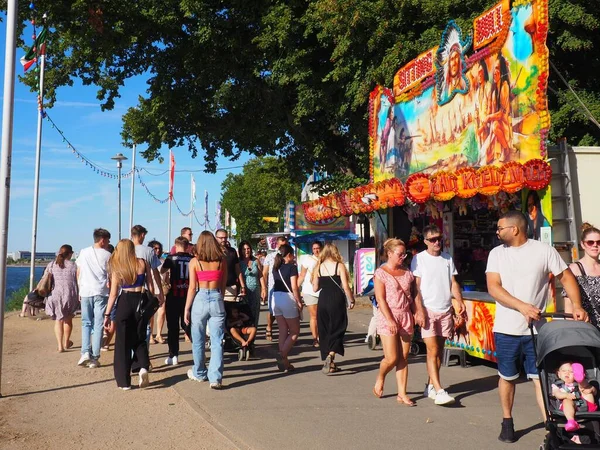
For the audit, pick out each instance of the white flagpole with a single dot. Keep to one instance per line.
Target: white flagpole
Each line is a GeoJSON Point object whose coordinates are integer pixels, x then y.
{"type": "Point", "coordinates": [132, 188]}
{"type": "Point", "coordinates": [12, 9]}
{"type": "Point", "coordinates": [36, 177]}
{"type": "Point", "coordinates": [170, 201]}
{"type": "Point", "coordinates": [192, 200]}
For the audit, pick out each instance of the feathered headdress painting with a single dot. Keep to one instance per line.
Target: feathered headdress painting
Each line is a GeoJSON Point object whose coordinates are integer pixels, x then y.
{"type": "Point", "coordinates": [451, 65]}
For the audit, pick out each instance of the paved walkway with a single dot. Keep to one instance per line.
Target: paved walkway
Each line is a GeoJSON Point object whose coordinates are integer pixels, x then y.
{"type": "Point", "coordinates": [260, 407]}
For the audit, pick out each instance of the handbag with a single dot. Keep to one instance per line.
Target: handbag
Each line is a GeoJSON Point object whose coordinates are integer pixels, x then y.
{"type": "Point", "coordinates": [35, 300]}
{"type": "Point", "coordinates": [46, 284]}
{"type": "Point", "coordinates": [147, 306]}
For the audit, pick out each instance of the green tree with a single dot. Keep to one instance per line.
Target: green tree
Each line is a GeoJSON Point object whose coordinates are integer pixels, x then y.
{"type": "Point", "coordinates": [282, 77]}
{"type": "Point", "coordinates": [262, 190]}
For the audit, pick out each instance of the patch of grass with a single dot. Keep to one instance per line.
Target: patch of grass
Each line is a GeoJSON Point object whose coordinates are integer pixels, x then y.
{"type": "Point", "coordinates": [15, 300]}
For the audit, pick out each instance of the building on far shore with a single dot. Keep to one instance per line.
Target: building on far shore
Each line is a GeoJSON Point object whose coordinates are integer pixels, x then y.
{"type": "Point", "coordinates": [26, 254]}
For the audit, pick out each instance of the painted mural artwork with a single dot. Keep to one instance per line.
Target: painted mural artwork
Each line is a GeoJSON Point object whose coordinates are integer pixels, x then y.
{"type": "Point", "coordinates": [475, 334]}
{"type": "Point", "coordinates": [473, 101]}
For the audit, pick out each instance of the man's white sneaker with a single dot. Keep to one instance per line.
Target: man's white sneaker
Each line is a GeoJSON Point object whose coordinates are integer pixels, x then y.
{"type": "Point", "coordinates": [144, 382]}
{"type": "Point", "coordinates": [430, 391]}
{"type": "Point", "coordinates": [172, 361]}
{"type": "Point", "coordinates": [191, 376]}
{"type": "Point", "coordinates": [443, 398]}
{"type": "Point", "coordinates": [94, 364]}
{"type": "Point", "coordinates": [127, 388]}
{"type": "Point", "coordinates": [84, 360]}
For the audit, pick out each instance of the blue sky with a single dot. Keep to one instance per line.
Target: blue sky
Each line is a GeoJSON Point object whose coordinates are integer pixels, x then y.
{"type": "Point", "coordinates": [73, 199]}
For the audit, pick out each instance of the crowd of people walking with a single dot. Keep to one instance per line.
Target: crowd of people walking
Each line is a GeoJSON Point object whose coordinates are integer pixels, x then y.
{"type": "Point", "coordinates": [194, 287]}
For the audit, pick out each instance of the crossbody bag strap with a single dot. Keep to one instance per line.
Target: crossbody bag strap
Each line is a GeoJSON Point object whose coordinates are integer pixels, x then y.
{"type": "Point", "coordinates": [286, 285]}
{"type": "Point", "coordinates": [333, 279]}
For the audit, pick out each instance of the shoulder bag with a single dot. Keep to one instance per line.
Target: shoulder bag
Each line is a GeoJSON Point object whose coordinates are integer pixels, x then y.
{"type": "Point", "coordinates": [147, 306]}
{"type": "Point", "coordinates": [46, 284]}
{"type": "Point", "coordinates": [336, 283]}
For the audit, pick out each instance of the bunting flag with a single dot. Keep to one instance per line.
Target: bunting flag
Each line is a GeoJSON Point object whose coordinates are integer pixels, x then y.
{"type": "Point", "coordinates": [193, 191]}
{"type": "Point", "coordinates": [38, 48]}
{"type": "Point", "coordinates": [218, 214]}
{"type": "Point", "coordinates": [172, 175]}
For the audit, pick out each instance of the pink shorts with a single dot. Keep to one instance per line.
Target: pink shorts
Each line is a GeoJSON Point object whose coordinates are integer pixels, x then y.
{"type": "Point", "coordinates": [437, 324]}
{"type": "Point", "coordinates": [404, 322]}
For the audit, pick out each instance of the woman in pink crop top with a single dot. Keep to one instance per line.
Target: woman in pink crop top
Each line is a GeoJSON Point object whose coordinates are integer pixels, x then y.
{"type": "Point", "coordinates": [204, 305]}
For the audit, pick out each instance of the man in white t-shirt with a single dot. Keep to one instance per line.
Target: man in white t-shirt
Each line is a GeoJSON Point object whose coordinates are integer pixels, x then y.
{"type": "Point", "coordinates": [138, 234]}
{"type": "Point", "coordinates": [268, 274]}
{"type": "Point", "coordinates": [518, 278]}
{"type": "Point", "coordinates": [92, 278]}
{"type": "Point", "coordinates": [310, 298]}
{"type": "Point", "coordinates": [439, 293]}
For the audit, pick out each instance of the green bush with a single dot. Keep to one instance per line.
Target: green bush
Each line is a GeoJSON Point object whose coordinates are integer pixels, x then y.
{"type": "Point", "coordinates": [15, 300]}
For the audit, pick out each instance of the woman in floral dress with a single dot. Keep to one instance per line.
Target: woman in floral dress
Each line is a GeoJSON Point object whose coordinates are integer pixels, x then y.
{"type": "Point", "coordinates": [63, 301]}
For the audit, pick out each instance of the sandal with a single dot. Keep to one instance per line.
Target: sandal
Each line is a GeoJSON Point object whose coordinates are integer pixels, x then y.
{"type": "Point", "coordinates": [160, 339]}
{"type": "Point", "coordinates": [405, 400]}
{"type": "Point", "coordinates": [333, 369]}
{"type": "Point", "coordinates": [152, 340]}
{"type": "Point", "coordinates": [268, 335]}
{"type": "Point", "coordinates": [280, 362]}
{"type": "Point", "coordinates": [326, 365]}
{"type": "Point", "coordinates": [69, 345]}
{"type": "Point", "coordinates": [289, 368]}
{"type": "Point", "coordinates": [316, 343]}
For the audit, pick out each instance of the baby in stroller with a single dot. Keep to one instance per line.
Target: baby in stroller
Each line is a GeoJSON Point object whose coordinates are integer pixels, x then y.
{"type": "Point", "coordinates": [240, 326]}
{"type": "Point", "coordinates": [574, 391]}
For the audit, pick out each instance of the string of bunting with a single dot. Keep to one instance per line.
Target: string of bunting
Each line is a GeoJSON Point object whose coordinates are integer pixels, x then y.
{"type": "Point", "coordinates": [179, 209]}
{"type": "Point", "coordinates": [81, 157]}
{"type": "Point", "coordinates": [156, 199]}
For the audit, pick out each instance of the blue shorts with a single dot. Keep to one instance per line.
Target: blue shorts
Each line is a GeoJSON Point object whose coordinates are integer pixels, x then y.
{"type": "Point", "coordinates": [514, 352]}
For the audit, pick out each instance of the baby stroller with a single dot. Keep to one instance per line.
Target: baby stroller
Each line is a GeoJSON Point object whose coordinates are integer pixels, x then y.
{"type": "Point", "coordinates": [557, 342]}
{"type": "Point", "coordinates": [231, 345]}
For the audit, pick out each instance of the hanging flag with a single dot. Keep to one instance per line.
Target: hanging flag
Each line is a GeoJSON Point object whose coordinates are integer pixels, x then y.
{"type": "Point", "coordinates": [226, 218]}
{"type": "Point", "coordinates": [193, 191]}
{"type": "Point", "coordinates": [218, 214]}
{"type": "Point", "coordinates": [172, 175]}
{"type": "Point", "coordinates": [38, 48]}
{"type": "Point", "coordinates": [206, 203]}
{"type": "Point", "coordinates": [233, 227]}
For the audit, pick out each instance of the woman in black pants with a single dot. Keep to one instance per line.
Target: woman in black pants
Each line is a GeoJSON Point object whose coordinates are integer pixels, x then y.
{"type": "Point", "coordinates": [130, 274]}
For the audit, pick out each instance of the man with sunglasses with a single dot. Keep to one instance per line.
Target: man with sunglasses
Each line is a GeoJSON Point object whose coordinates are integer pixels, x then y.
{"type": "Point", "coordinates": [439, 292]}
{"type": "Point", "coordinates": [518, 273]}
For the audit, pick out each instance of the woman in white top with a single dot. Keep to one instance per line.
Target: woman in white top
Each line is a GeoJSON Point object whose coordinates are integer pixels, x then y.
{"type": "Point", "coordinates": [310, 297]}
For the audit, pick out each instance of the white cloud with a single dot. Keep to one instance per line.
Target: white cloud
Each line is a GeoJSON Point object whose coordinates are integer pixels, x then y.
{"type": "Point", "coordinates": [59, 209]}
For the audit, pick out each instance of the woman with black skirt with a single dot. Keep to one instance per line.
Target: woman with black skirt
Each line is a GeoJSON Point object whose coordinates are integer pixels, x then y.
{"type": "Point", "coordinates": [331, 277]}
{"type": "Point", "coordinates": [129, 274]}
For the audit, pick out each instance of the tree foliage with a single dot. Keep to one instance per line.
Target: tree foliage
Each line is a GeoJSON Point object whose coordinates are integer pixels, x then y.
{"type": "Point", "coordinates": [262, 190]}
{"type": "Point", "coordinates": [288, 78]}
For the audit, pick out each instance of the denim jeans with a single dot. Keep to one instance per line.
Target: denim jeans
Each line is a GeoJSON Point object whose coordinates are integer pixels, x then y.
{"type": "Point", "coordinates": [208, 307]}
{"type": "Point", "coordinates": [92, 324]}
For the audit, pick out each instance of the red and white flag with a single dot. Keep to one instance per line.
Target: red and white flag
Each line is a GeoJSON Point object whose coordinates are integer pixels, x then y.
{"type": "Point", "coordinates": [171, 175]}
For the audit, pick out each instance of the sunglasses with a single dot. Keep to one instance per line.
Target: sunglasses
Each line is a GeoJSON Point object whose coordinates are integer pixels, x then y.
{"type": "Point", "coordinates": [434, 240]}
{"type": "Point", "coordinates": [590, 243]}
{"type": "Point", "coordinates": [157, 248]}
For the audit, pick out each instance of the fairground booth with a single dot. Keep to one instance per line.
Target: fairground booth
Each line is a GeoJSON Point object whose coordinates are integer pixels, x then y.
{"type": "Point", "coordinates": [459, 139]}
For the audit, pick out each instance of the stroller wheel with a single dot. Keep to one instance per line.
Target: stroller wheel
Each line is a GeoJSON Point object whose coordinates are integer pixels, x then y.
{"type": "Point", "coordinates": [371, 342]}
{"type": "Point", "coordinates": [414, 349]}
{"type": "Point", "coordinates": [550, 443]}
{"type": "Point", "coordinates": [377, 340]}
{"type": "Point", "coordinates": [247, 356]}
{"type": "Point", "coordinates": [241, 354]}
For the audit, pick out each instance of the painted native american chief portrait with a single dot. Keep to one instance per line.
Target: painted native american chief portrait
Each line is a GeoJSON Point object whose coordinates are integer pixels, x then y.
{"type": "Point", "coordinates": [450, 63]}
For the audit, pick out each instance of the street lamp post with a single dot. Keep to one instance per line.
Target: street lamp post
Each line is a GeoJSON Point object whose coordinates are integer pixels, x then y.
{"type": "Point", "coordinates": [119, 157]}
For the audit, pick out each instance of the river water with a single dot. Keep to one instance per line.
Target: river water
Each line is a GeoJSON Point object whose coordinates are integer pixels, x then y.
{"type": "Point", "coordinates": [18, 276]}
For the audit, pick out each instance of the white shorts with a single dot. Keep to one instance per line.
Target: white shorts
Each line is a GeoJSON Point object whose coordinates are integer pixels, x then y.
{"type": "Point", "coordinates": [310, 300]}
{"type": "Point", "coordinates": [284, 305]}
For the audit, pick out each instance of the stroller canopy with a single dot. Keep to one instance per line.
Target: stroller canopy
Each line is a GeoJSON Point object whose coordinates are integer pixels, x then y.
{"type": "Point", "coordinates": [559, 334]}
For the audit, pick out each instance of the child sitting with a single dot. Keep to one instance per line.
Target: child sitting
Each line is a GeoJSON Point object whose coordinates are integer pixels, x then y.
{"type": "Point", "coordinates": [574, 391]}
{"type": "Point", "coordinates": [239, 326]}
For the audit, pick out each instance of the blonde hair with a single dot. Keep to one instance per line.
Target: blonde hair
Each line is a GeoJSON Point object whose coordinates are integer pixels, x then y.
{"type": "Point", "coordinates": [123, 262]}
{"type": "Point", "coordinates": [330, 251]}
{"type": "Point", "coordinates": [392, 244]}
{"type": "Point", "coordinates": [208, 249]}
{"type": "Point", "coordinates": [587, 229]}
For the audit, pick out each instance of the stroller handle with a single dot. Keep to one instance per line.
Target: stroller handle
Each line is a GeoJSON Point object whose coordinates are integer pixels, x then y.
{"type": "Point", "coordinates": [553, 315]}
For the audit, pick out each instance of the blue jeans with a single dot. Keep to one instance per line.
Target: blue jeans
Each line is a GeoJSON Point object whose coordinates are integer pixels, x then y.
{"type": "Point", "coordinates": [208, 307]}
{"type": "Point", "coordinates": [92, 324]}
{"type": "Point", "coordinates": [512, 352]}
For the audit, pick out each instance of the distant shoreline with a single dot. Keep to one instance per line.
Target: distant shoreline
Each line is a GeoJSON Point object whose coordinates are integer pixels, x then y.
{"type": "Point", "coordinates": [37, 264]}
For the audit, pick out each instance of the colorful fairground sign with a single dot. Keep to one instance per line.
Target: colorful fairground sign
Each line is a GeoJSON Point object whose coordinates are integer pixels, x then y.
{"type": "Point", "coordinates": [467, 117]}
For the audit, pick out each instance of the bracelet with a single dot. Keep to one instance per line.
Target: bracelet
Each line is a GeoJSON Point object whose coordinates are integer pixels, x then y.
{"type": "Point", "coordinates": [106, 315]}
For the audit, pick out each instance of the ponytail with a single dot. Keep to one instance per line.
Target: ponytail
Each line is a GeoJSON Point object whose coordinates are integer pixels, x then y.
{"type": "Point", "coordinates": [64, 252]}
{"type": "Point", "coordinates": [283, 251]}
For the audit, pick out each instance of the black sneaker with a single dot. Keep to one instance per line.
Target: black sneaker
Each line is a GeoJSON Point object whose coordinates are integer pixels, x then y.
{"type": "Point", "coordinates": [508, 431]}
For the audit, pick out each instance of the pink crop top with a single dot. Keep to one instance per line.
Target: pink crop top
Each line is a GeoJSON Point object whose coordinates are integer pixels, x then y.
{"type": "Point", "coordinates": [209, 275]}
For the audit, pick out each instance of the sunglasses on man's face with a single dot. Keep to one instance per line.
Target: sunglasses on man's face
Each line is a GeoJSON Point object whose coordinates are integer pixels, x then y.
{"type": "Point", "coordinates": [590, 243]}
{"type": "Point", "coordinates": [434, 240]}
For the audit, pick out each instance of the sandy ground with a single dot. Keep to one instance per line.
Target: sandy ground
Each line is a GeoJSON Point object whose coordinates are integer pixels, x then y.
{"type": "Point", "coordinates": [49, 402]}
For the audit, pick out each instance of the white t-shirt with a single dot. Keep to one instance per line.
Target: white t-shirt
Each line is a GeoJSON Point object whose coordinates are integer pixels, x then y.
{"type": "Point", "coordinates": [93, 277]}
{"type": "Point", "coordinates": [269, 261]}
{"type": "Point", "coordinates": [309, 262]}
{"type": "Point", "coordinates": [146, 253]}
{"type": "Point", "coordinates": [435, 273]}
{"type": "Point", "coordinates": [524, 273]}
